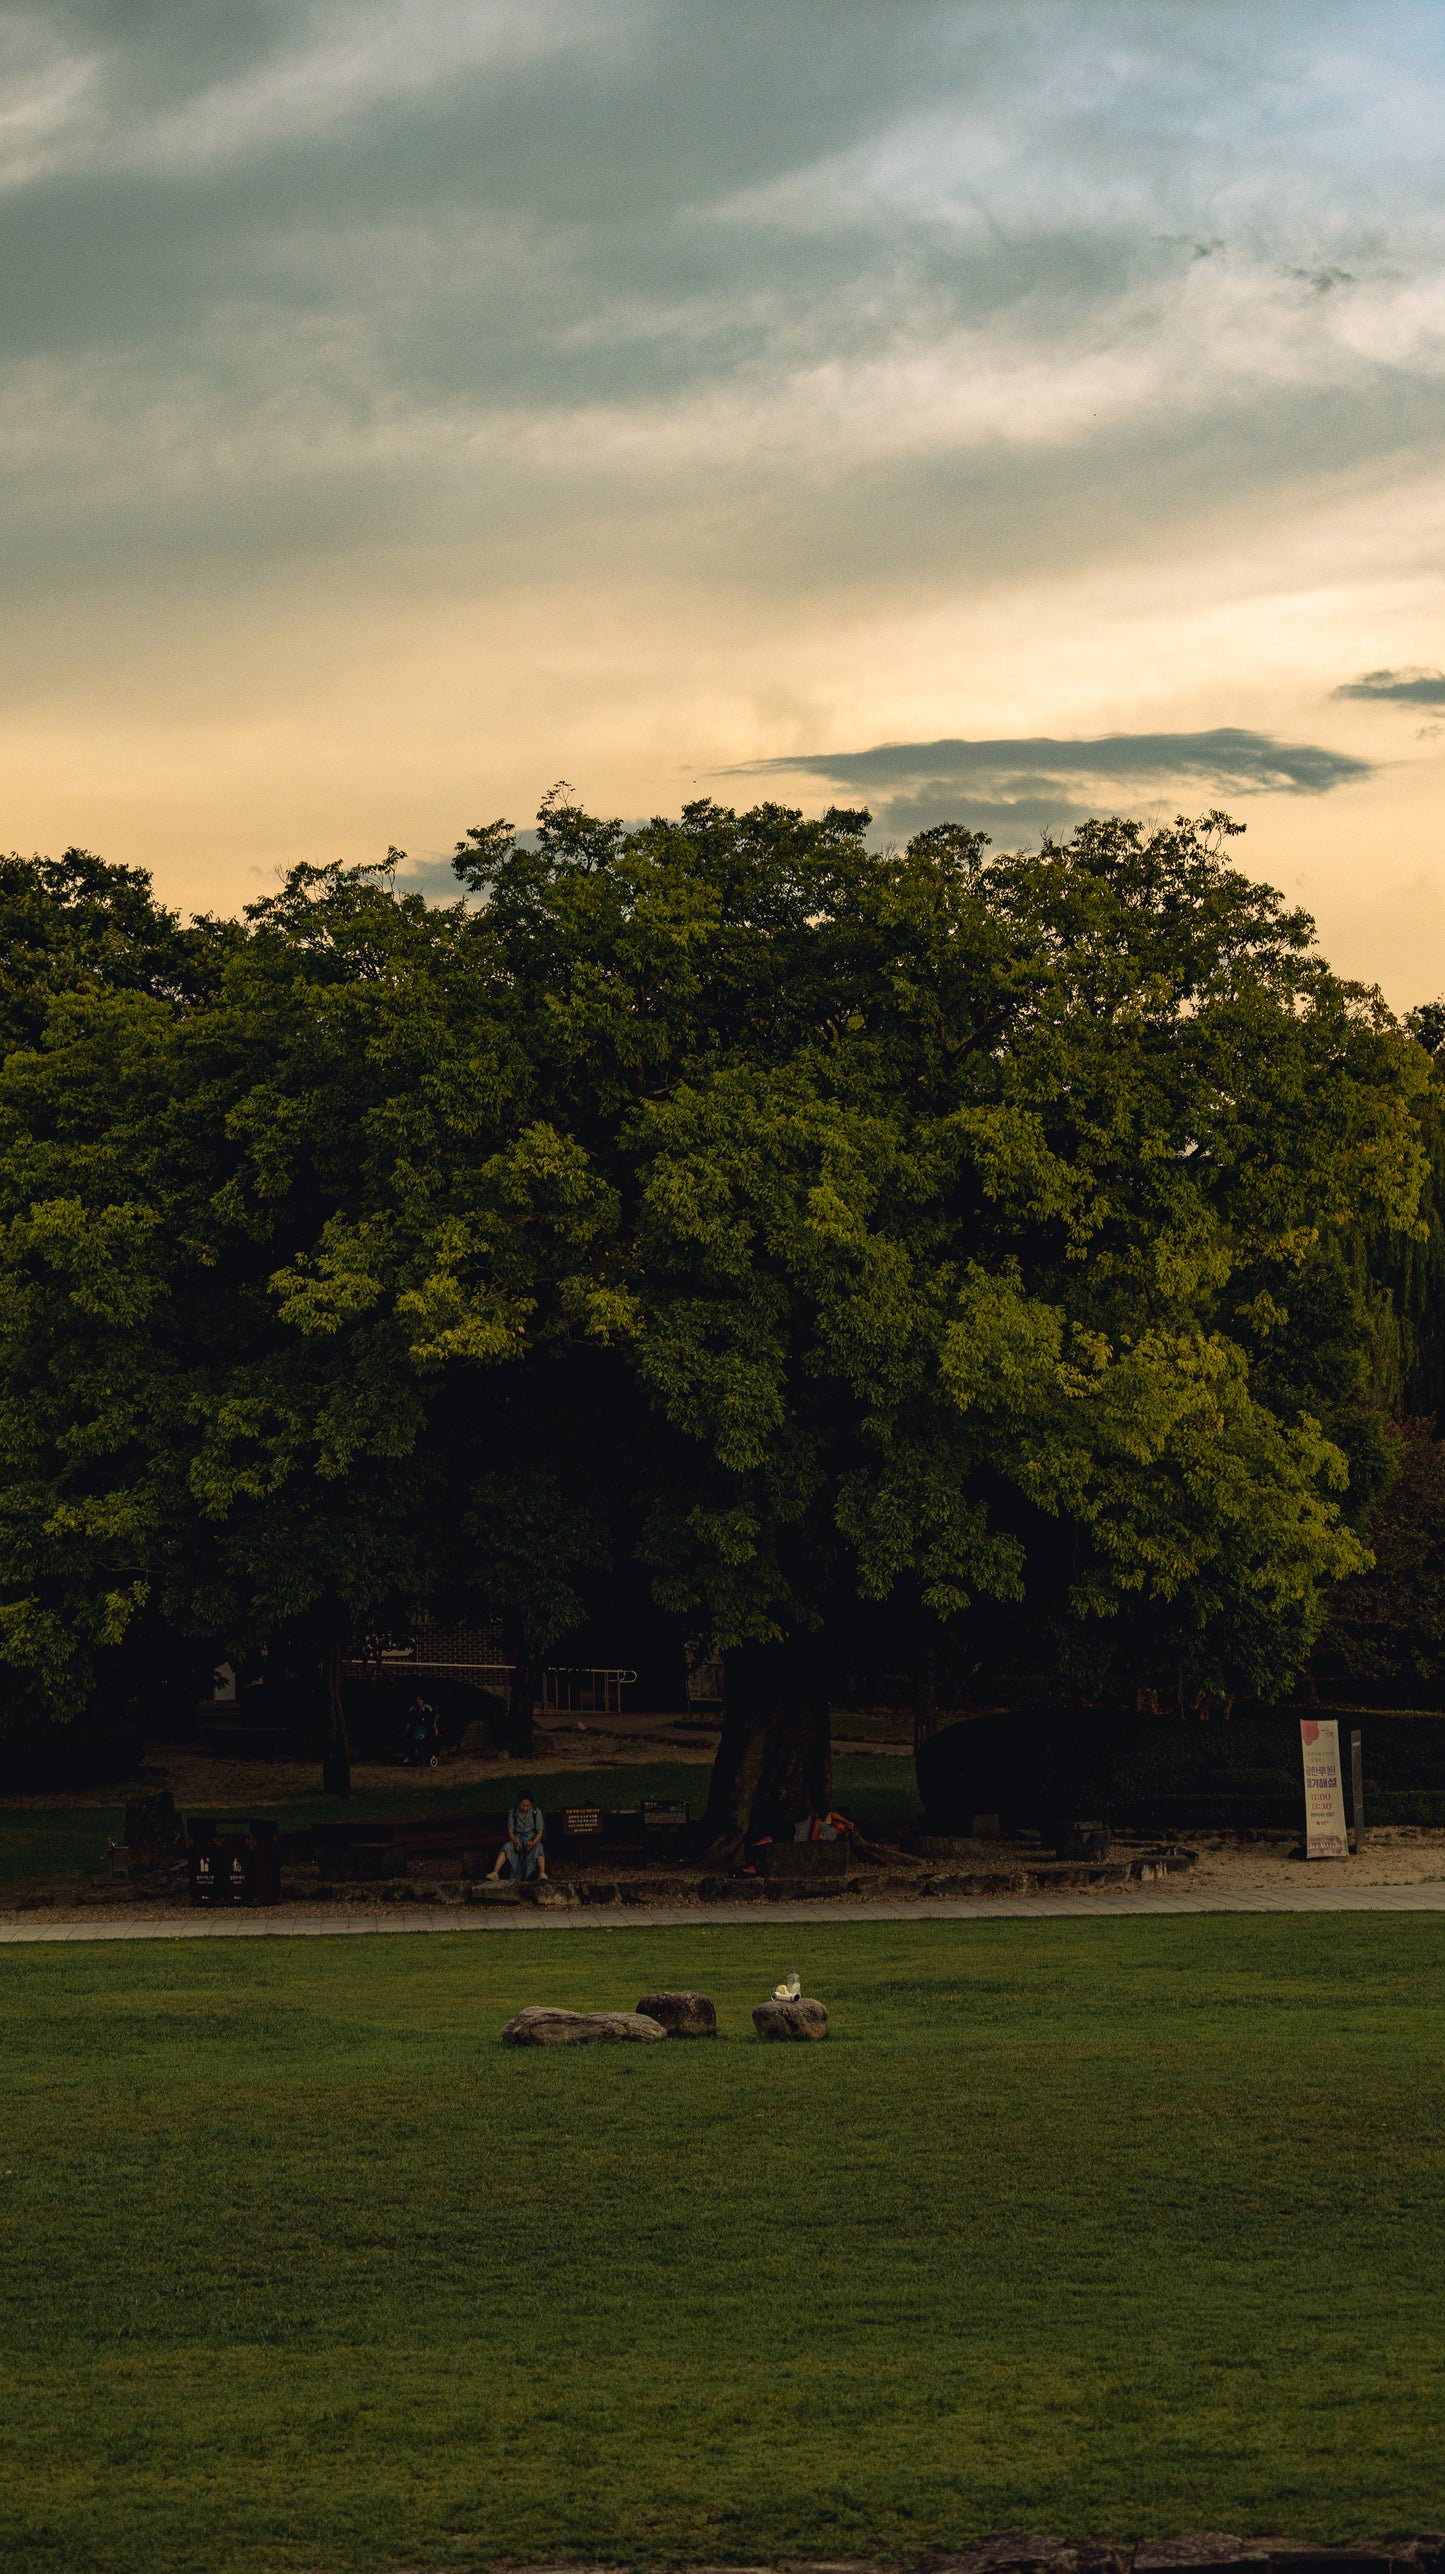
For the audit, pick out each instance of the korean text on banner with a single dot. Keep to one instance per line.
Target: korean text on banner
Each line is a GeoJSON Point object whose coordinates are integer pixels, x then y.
{"type": "Point", "coordinates": [1325, 1835]}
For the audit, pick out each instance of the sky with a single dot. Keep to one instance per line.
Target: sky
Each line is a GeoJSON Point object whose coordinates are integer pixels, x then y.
{"type": "Point", "coordinates": [989, 412]}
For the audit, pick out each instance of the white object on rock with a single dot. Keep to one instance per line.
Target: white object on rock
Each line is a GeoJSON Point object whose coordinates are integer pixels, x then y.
{"type": "Point", "coordinates": [793, 2019]}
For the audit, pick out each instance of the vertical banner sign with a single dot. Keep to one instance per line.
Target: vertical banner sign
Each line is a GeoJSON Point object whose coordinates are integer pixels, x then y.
{"type": "Point", "coordinates": [1325, 1835]}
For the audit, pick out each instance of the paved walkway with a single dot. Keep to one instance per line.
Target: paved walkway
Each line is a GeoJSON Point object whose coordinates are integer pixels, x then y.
{"type": "Point", "coordinates": [286, 1923]}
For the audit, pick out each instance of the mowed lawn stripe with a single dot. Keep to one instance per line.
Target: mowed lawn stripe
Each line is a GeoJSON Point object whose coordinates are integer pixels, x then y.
{"type": "Point", "coordinates": [1110, 2227]}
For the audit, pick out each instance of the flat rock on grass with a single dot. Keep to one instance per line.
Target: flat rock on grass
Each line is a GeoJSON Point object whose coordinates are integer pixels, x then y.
{"type": "Point", "coordinates": [539, 2026]}
{"type": "Point", "coordinates": [683, 2015]}
{"type": "Point", "coordinates": [800, 2019]}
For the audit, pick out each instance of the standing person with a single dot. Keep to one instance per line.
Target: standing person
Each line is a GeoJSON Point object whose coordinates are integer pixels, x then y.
{"type": "Point", "coordinates": [522, 1852]}
{"type": "Point", "coordinates": [421, 1734]}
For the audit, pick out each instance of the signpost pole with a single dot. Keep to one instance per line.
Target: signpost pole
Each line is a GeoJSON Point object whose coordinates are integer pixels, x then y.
{"type": "Point", "coordinates": [1357, 1789]}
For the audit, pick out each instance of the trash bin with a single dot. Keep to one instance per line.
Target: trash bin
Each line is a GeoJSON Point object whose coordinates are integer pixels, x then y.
{"type": "Point", "coordinates": [235, 1869]}
{"type": "Point", "coordinates": [264, 1861]}
{"type": "Point", "coordinates": [204, 1860]}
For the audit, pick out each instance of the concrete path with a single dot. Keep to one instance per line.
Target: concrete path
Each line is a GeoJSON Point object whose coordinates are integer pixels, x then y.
{"type": "Point", "coordinates": [292, 1923]}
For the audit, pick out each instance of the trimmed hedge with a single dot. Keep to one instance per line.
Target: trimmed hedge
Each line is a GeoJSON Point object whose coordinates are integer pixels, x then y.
{"type": "Point", "coordinates": [1044, 1768]}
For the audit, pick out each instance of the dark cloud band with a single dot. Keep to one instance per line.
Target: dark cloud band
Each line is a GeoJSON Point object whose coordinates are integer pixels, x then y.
{"type": "Point", "coordinates": [1399, 687]}
{"type": "Point", "coordinates": [1037, 786]}
{"type": "Point", "coordinates": [1016, 771]}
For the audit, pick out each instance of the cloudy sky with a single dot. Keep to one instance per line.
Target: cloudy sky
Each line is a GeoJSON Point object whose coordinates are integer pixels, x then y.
{"type": "Point", "coordinates": [1000, 411]}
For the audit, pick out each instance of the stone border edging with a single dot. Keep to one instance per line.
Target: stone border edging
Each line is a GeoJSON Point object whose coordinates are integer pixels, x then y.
{"type": "Point", "coordinates": [312, 1923]}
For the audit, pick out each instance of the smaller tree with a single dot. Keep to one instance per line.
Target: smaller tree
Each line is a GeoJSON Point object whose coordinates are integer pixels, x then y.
{"type": "Point", "coordinates": [1386, 1629]}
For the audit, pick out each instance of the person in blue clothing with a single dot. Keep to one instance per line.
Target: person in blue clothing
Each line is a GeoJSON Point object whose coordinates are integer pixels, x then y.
{"type": "Point", "coordinates": [522, 1853]}
{"type": "Point", "coordinates": [419, 1744]}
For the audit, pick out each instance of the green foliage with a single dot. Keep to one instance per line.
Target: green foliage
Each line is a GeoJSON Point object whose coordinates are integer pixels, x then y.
{"type": "Point", "coordinates": [78, 924]}
{"type": "Point", "coordinates": [1407, 1269]}
{"type": "Point", "coordinates": [962, 1301]}
{"type": "Point", "coordinates": [263, 1258]}
{"type": "Point", "coordinates": [915, 1239]}
{"type": "Point", "coordinates": [1386, 1630]}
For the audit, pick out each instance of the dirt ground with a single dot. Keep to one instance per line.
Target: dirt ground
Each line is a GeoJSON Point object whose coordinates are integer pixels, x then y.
{"type": "Point", "coordinates": [1395, 1855]}
{"type": "Point", "coordinates": [200, 1782]}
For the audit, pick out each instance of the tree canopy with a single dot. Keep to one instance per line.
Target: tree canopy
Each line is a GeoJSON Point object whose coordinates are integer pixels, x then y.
{"type": "Point", "coordinates": [922, 1244]}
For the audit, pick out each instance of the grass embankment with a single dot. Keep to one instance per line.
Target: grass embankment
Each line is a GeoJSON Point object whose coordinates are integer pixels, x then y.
{"type": "Point", "coordinates": [52, 1841]}
{"type": "Point", "coordinates": [1104, 2227]}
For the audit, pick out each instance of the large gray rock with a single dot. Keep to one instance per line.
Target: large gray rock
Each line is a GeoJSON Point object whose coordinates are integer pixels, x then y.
{"type": "Point", "coordinates": [538, 2026]}
{"type": "Point", "coordinates": [800, 2019]}
{"type": "Point", "coordinates": [683, 2015]}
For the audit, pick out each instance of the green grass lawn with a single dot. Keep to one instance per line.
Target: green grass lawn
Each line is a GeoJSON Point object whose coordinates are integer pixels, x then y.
{"type": "Point", "coordinates": [1102, 2227]}
{"type": "Point", "coordinates": [37, 1843]}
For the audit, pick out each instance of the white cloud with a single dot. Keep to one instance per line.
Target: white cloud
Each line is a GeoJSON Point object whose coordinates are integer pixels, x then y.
{"type": "Point", "coordinates": [349, 59]}
{"type": "Point", "coordinates": [78, 108]}
{"type": "Point", "coordinates": [649, 385]}
{"type": "Point", "coordinates": [49, 97]}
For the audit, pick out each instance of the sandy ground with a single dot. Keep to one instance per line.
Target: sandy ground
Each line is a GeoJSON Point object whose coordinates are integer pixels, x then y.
{"type": "Point", "coordinates": [1395, 1855]}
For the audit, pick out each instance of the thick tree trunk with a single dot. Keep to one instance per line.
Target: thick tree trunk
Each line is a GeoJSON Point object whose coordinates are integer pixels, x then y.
{"type": "Point", "coordinates": [336, 1767]}
{"type": "Point", "coordinates": [797, 1775]}
{"type": "Point", "coordinates": [736, 1770]}
{"type": "Point", "coordinates": [522, 1699]}
{"type": "Point", "coordinates": [925, 1695]}
{"type": "Point", "coordinates": [774, 1761]}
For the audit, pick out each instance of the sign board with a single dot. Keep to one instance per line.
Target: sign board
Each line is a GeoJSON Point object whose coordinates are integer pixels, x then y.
{"type": "Point", "coordinates": [660, 1816]}
{"type": "Point", "coordinates": [579, 1819]}
{"type": "Point", "coordinates": [706, 1680]}
{"type": "Point", "coordinates": [1325, 1834]}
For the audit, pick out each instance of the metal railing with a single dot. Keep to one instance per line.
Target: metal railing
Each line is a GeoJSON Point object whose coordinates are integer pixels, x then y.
{"type": "Point", "coordinates": [583, 1689]}
{"type": "Point", "coordinates": [568, 1689]}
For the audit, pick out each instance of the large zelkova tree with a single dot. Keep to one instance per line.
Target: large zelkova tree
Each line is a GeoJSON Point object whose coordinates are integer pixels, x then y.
{"type": "Point", "coordinates": [266, 1256]}
{"type": "Point", "coordinates": [932, 1244]}
{"type": "Point", "coordinates": [983, 1222]}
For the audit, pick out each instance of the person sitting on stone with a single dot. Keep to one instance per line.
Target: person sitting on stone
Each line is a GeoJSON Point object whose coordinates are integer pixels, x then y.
{"type": "Point", "coordinates": [522, 1853]}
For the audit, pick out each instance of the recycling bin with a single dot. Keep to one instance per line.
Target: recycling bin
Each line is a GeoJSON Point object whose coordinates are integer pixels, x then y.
{"type": "Point", "coordinates": [235, 1872]}
{"type": "Point", "coordinates": [204, 1864]}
